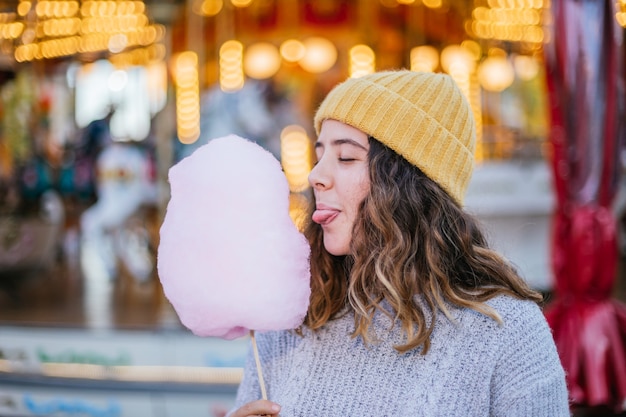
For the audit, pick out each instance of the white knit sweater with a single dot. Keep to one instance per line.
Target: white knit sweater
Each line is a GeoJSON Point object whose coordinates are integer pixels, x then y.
{"type": "Point", "coordinates": [475, 367]}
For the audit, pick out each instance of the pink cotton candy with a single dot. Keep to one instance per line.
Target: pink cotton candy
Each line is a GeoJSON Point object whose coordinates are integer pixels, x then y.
{"type": "Point", "coordinates": [230, 258]}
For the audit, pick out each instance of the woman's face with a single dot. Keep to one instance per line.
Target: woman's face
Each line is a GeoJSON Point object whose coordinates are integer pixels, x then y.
{"type": "Point", "coordinates": [340, 181]}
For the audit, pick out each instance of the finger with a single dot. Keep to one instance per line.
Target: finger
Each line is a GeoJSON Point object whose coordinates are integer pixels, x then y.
{"type": "Point", "coordinates": [260, 407]}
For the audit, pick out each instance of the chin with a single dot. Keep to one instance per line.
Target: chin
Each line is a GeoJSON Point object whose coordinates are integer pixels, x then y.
{"type": "Point", "coordinates": [336, 249]}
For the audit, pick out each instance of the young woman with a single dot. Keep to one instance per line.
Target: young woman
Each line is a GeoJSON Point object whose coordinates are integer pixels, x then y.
{"type": "Point", "coordinates": [411, 313]}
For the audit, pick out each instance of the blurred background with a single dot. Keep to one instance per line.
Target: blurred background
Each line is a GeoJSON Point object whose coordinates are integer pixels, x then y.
{"type": "Point", "coordinates": [99, 98]}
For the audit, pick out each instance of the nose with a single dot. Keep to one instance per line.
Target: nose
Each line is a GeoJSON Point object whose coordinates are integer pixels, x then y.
{"type": "Point", "coordinates": [317, 178]}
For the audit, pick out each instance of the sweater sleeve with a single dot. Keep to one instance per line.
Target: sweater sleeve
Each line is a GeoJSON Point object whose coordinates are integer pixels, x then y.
{"type": "Point", "coordinates": [529, 380]}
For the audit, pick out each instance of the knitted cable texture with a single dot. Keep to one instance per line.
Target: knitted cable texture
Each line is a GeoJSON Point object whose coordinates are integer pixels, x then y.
{"type": "Point", "coordinates": [475, 367]}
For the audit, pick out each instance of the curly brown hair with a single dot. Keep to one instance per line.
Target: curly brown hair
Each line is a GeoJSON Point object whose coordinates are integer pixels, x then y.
{"type": "Point", "coordinates": [410, 238]}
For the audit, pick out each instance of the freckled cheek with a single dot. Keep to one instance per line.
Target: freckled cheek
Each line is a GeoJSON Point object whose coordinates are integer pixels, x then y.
{"type": "Point", "coordinates": [359, 192]}
{"type": "Point", "coordinates": [364, 186]}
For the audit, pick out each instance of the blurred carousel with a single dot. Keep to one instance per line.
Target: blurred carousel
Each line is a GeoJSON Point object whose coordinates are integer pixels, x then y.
{"type": "Point", "coordinates": [99, 98]}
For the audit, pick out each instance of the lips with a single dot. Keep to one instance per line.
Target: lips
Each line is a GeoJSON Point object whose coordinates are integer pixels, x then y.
{"type": "Point", "coordinates": [324, 215]}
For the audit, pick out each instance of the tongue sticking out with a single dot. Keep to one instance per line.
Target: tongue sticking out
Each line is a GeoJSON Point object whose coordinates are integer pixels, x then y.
{"type": "Point", "coordinates": [324, 216]}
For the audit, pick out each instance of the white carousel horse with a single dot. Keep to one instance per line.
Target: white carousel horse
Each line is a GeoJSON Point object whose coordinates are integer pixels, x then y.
{"type": "Point", "coordinates": [124, 184]}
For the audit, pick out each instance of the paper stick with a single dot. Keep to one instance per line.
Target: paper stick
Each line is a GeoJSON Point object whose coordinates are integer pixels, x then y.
{"type": "Point", "coordinates": [258, 365]}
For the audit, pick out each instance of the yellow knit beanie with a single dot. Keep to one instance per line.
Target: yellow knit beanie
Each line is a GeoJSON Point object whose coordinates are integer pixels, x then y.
{"type": "Point", "coordinates": [422, 116]}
